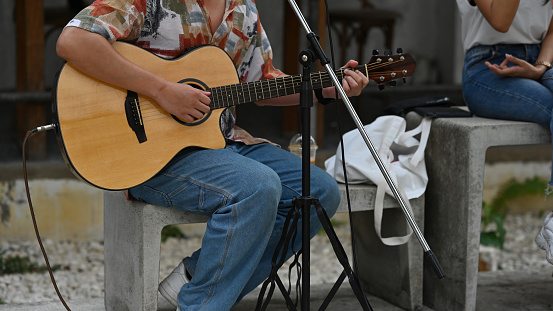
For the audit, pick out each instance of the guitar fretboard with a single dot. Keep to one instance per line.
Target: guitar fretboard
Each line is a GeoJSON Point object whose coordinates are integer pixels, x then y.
{"type": "Point", "coordinates": [235, 94]}
{"type": "Point", "coordinates": [379, 69]}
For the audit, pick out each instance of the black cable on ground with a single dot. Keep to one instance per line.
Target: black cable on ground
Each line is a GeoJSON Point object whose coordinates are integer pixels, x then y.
{"type": "Point", "coordinates": [29, 134]}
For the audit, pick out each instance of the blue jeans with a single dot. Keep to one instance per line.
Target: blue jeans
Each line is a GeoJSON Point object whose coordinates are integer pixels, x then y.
{"type": "Point", "coordinates": [492, 96]}
{"type": "Point", "coordinates": [247, 191]}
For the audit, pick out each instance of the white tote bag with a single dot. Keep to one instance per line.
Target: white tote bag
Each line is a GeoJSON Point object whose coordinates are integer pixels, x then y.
{"type": "Point", "coordinates": [401, 153]}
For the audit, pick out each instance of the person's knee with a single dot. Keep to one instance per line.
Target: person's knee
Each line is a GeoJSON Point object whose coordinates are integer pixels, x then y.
{"type": "Point", "coordinates": [326, 190]}
{"type": "Point", "coordinates": [269, 189]}
{"type": "Point", "coordinates": [262, 188]}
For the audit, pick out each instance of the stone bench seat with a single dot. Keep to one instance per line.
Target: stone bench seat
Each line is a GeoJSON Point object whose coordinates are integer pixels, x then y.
{"type": "Point", "coordinates": [132, 243]}
{"type": "Point", "coordinates": [455, 158]}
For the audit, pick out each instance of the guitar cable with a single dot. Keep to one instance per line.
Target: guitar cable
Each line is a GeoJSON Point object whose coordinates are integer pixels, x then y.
{"type": "Point", "coordinates": [31, 209]}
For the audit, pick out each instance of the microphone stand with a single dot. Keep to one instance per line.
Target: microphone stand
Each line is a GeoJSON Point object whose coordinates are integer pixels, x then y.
{"type": "Point", "coordinates": [305, 202]}
{"type": "Point", "coordinates": [319, 53]}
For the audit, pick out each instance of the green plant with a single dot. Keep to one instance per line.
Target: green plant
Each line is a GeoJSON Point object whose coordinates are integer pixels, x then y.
{"type": "Point", "coordinates": [496, 211]}
{"type": "Point", "coordinates": [171, 231]}
{"type": "Point", "coordinates": [492, 237]}
{"type": "Point", "coordinates": [18, 264]}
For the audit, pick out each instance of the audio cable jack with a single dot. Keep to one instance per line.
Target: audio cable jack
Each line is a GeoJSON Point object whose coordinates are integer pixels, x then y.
{"type": "Point", "coordinates": [43, 128]}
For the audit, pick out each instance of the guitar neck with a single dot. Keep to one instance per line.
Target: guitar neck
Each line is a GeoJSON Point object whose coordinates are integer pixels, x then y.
{"type": "Point", "coordinates": [379, 69]}
{"type": "Point", "coordinates": [235, 94]}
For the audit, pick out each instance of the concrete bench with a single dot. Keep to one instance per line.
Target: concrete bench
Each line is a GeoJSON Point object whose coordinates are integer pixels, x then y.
{"type": "Point", "coordinates": [132, 242]}
{"type": "Point", "coordinates": [455, 158]}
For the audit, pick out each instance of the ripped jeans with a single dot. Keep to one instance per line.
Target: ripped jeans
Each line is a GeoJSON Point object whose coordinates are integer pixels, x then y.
{"type": "Point", "coordinates": [492, 96]}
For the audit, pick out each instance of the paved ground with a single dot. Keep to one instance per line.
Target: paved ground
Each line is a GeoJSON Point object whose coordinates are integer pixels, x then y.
{"type": "Point", "coordinates": [497, 291]}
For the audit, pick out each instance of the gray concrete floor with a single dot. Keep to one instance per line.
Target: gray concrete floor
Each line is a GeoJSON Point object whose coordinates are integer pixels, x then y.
{"type": "Point", "coordinates": [497, 291]}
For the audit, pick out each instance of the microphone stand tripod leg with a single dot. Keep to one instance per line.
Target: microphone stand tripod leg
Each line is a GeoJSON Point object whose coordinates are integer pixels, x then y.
{"type": "Point", "coordinates": [343, 259]}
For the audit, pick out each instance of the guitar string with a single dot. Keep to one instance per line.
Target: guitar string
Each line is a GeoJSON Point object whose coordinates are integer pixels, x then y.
{"type": "Point", "coordinates": [228, 91]}
{"type": "Point", "coordinates": [236, 96]}
{"type": "Point", "coordinates": [153, 114]}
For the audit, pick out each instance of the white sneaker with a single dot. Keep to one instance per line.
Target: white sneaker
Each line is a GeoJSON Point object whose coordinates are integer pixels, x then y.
{"type": "Point", "coordinates": [170, 287]}
{"type": "Point", "coordinates": [544, 239]}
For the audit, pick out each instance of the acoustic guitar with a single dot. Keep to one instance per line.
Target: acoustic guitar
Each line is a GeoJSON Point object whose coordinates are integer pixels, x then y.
{"type": "Point", "coordinates": [115, 139]}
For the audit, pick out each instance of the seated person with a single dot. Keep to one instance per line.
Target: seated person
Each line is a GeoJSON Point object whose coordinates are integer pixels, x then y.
{"type": "Point", "coordinates": [247, 187]}
{"type": "Point", "coordinates": [507, 72]}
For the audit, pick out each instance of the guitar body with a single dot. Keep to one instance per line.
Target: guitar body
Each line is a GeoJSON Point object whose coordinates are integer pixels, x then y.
{"type": "Point", "coordinates": [93, 130]}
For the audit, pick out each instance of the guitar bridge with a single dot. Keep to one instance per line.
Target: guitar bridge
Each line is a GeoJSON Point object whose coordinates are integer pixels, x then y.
{"type": "Point", "coordinates": [134, 116]}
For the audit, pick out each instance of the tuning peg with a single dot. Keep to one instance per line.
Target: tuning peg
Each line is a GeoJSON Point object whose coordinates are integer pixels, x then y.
{"type": "Point", "coordinates": [399, 50]}
{"type": "Point", "coordinates": [375, 52]}
{"type": "Point", "coordinates": [381, 87]}
{"type": "Point", "coordinates": [392, 83]}
{"type": "Point", "coordinates": [404, 80]}
{"type": "Point", "coordinates": [387, 52]}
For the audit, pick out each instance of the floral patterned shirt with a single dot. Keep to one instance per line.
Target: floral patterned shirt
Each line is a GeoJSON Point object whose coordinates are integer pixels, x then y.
{"type": "Point", "coordinates": [168, 28]}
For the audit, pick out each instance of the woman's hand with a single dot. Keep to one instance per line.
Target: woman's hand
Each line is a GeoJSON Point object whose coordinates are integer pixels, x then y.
{"type": "Point", "coordinates": [522, 68]}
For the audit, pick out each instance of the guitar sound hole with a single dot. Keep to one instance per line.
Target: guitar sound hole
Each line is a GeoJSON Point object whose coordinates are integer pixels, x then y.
{"type": "Point", "coordinates": [201, 86]}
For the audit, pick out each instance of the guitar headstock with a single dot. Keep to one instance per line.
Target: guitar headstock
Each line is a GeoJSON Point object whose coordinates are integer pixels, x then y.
{"type": "Point", "coordinates": [388, 68]}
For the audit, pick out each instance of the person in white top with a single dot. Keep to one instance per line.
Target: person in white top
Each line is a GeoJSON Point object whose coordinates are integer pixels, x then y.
{"type": "Point", "coordinates": [507, 71]}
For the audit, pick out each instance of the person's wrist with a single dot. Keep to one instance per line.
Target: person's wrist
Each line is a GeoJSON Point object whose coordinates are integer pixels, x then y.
{"type": "Point", "coordinates": [321, 99]}
{"type": "Point", "coordinates": [543, 63]}
{"type": "Point", "coordinates": [158, 87]}
{"type": "Point", "coordinates": [541, 68]}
